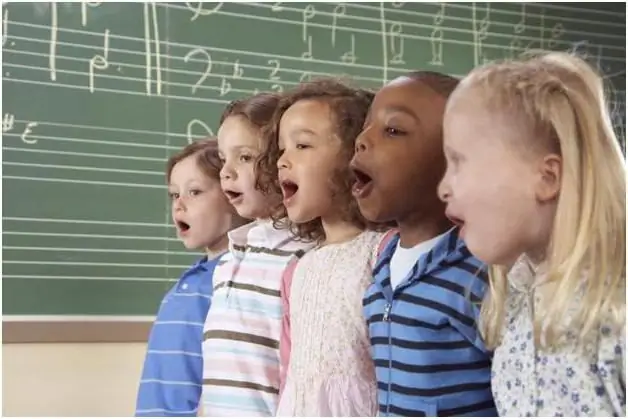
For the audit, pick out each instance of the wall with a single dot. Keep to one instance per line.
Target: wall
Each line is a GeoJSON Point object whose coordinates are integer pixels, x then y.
{"type": "Point", "coordinates": [70, 379]}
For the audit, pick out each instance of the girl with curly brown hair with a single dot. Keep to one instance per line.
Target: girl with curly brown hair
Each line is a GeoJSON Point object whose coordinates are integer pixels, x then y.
{"type": "Point", "coordinates": [324, 344]}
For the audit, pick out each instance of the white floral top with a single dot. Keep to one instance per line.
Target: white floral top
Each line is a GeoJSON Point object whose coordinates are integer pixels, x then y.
{"type": "Point", "coordinates": [528, 381]}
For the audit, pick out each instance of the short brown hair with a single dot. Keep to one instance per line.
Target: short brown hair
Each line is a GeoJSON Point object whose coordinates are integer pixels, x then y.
{"type": "Point", "coordinates": [349, 107]}
{"type": "Point", "coordinates": [206, 151]}
{"type": "Point", "coordinates": [257, 109]}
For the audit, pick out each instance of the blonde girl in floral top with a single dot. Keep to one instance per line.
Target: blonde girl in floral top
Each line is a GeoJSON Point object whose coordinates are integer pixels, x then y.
{"type": "Point", "coordinates": [536, 178]}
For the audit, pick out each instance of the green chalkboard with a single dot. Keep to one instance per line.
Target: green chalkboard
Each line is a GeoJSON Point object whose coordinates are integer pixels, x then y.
{"type": "Point", "coordinates": [97, 95]}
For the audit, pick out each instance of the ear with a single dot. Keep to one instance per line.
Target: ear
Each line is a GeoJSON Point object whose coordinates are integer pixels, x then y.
{"type": "Point", "coordinates": [550, 171]}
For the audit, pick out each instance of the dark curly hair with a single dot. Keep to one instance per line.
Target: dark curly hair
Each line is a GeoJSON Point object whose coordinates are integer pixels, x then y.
{"type": "Point", "coordinates": [349, 107]}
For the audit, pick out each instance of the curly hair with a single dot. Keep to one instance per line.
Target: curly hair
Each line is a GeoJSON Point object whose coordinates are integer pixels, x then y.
{"type": "Point", "coordinates": [349, 107]}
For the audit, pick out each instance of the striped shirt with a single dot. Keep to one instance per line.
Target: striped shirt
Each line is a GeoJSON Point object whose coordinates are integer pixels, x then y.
{"type": "Point", "coordinates": [429, 358]}
{"type": "Point", "coordinates": [241, 334]}
{"type": "Point", "coordinates": [172, 374]}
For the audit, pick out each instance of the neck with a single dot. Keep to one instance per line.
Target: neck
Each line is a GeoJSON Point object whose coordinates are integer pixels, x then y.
{"type": "Point", "coordinates": [219, 246]}
{"type": "Point", "coordinates": [418, 228]}
{"type": "Point", "coordinates": [338, 231]}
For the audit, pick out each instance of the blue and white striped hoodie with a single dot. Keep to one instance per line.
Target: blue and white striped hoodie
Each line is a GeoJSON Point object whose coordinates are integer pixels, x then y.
{"type": "Point", "coordinates": [429, 358]}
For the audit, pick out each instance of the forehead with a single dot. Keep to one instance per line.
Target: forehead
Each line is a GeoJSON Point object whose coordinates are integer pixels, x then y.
{"type": "Point", "coordinates": [306, 115]}
{"type": "Point", "coordinates": [408, 95]}
{"type": "Point", "coordinates": [186, 168]}
{"type": "Point", "coordinates": [237, 132]}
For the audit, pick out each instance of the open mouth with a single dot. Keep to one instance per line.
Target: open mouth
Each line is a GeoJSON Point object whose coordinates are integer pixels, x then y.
{"type": "Point", "coordinates": [362, 183]}
{"type": "Point", "coordinates": [288, 189]}
{"type": "Point", "coordinates": [182, 226]}
{"type": "Point", "coordinates": [233, 195]}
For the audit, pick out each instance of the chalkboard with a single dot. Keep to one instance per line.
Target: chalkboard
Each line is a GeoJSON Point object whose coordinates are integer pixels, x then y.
{"type": "Point", "coordinates": [97, 95]}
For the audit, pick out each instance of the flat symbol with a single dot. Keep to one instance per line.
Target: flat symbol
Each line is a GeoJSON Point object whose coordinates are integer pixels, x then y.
{"type": "Point", "coordinates": [12, 43]}
{"type": "Point", "coordinates": [7, 74]}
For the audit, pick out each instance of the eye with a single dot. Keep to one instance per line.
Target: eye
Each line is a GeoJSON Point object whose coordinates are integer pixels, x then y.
{"type": "Point", "coordinates": [393, 132]}
{"type": "Point", "coordinates": [173, 195]}
{"type": "Point", "coordinates": [195, 192]}
{"type": "Point", "coordinates": [222, 160]}
{"type": "Point", "coordinates": [302, 146]}
{"type": "Point", "coordinates": [246, 158]}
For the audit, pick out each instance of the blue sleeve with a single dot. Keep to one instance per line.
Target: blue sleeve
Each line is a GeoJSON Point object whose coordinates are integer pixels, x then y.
{"type": "Point", "coordinates": [468, 305]}
{"type": "Point", "coordinates": [155, 396]}
{"type": "Point", "coordinates": [172, 376]}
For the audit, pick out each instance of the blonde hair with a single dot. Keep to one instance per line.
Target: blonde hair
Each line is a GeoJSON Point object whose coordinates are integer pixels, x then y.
{"type": "Point", "coordinates": [561, 98]}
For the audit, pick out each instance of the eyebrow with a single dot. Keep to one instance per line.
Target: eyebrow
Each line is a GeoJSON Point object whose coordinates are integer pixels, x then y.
{"type": "Point", "coordinates": [401, 109]}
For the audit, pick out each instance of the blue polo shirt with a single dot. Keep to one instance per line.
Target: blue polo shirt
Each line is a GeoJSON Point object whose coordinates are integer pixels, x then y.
{"type": "Point", "coordinates": [172, 376]}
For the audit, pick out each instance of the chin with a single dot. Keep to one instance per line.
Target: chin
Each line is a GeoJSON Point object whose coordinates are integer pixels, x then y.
{"type": "Point", "coordinates": [298, 217]}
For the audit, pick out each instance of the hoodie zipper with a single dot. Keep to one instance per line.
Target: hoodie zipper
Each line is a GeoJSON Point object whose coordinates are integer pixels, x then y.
{"type": "Point", "coordinates": [386, 318]}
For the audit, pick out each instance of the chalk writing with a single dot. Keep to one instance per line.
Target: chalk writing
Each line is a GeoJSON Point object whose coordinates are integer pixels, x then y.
{"type": "Point", "coordinates": [273, 73]}
{"type": "Point", "coordinates": [52, 54]}
{"type": "Point", "coordinates": [396, 43]}
{"type": "Point", "coordinates": [308, 13]}
{"type": "Point", "coordinates": [237, 70]}
{"type": "Point", "coordinates": [27, 131]}
{"type": "Point", "coordinates": [8, 122]}
{"type": "Point", "coordinates": [99, 62]}
{"type": "Point", "coordinates": [208, 65]}
{"type": "Point", "coordinates": [339, 11]}
{"type": "Point", "coordinates": [191, 124]}
{"type": "Point", "coordinates": [84, 5]}
{"type": "Point", "coordinates": [349, 57]}
{"type": "Point", "coordinates": [199, 11]}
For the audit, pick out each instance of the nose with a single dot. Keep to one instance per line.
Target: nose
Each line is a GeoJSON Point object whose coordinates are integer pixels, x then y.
{"type": "Point", "coordinates": [362, 142]}
{"type": "Point", "coordinates": [283, 162]}
{"type": "Point", "coordinates": [444, 189]}
{"type": "Point", "coordinates": [178, 204]}
{"type": "Point", "coordinates": [227, 172]}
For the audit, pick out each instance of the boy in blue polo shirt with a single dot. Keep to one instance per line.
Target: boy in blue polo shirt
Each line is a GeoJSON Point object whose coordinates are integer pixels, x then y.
{"type": "Point", "coordinates": [171, 380]}
{"type": "Point", "coordinates": [422, 307]}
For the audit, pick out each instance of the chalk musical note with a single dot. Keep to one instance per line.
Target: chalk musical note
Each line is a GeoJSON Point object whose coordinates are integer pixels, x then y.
{"type": "Point", "coordinates": [208, 65]}
{"type": "Point", "coordinates": [306, 76]}
{"type": "Point", "coordinates": [436, 39]}
{"type": "Point", "coordinates": [440, 16]}
{"type": "Point", "coordinates": [521, 25]}
{"type": "Point", "coordinates": [308, 13]}
{"type": "Point", "coordinates": [277, 7]}
{"type": "Point", "coordinates": [84, 5]}
{"type": "Point", "coordinates": [52, 54]}
{"type": "Point", "coordinates": [8, 122]}
{"type": "Point", "coordinates": [349, 56]}
{"type": "Point", "coordinates": [396, 43]}
{"type": "Point", "coordinates": [558, 30]}
{"type": "Point", "coordinates": [208, 130]}
{"type": "Point", "coordinates": [277, 88]}
{"type": "Point", "coordinates": [199, 11]}
{"type": "Point", "coordinates": [273, 73]}
{"type": "Point", "coordinates": [99, 62]}
{"type": "Point", "coordinates": [237, 70]}
{"type": "Point", "coordinates": [225, 87]}
{"type": "Point", "coordinates": [398, 4]}
{"type": "Point", "coordinates": [339, 11]}
{"type": "Point", "coordinates": [27, 131]}
{"type": "Point", "coordinates": [307, 55]}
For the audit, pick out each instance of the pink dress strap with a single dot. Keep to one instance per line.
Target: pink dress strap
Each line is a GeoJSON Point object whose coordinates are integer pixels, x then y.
{"type": "Point", "coordinates": [284, 340]}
